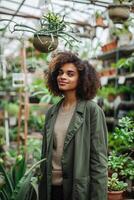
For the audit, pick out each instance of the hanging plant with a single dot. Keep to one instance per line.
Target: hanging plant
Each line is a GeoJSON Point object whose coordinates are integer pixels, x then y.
{"type": "Point", "coordinates": [119, 11]}
{"type": "Point", "coordinates": [52, 26]}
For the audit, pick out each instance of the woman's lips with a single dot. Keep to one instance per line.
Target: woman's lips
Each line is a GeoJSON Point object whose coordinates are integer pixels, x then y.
{"type": "Point", "coordinates": [62, 83]}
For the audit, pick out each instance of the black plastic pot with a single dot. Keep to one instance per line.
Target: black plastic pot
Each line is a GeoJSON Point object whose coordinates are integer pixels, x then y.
{"type": "Point", "coordinates": [45, 43]}
{"type": "Point", "coordinates": [33, 99]}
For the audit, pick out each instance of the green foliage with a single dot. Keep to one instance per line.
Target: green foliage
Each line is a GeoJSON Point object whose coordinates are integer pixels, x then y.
{"type": "Point", "coordinates": [12, 109]}
{"type": "Point", "coordinates": [114, 184]}
{"type": "Point", "coordinates": [33, 149]}
{"type": "Point", "coordinates": [36, 124]}
{"type": "Point", "coordinates": [128, 170]}
{"type": "Point", "coordinates": [52, 22]}
{"type": "Point", "coordinates": [130, 114]}
{"type": "Point", "coordinates": [2, 136]}
{"type": "Point", "coordinates": [125, 63]}
{"type": "Point", "coordinates": [105, 91]}
{"type": "Point", "coordinates": [122, 164]}
{"type": "Point", "coordinates": [125, 89]}
{"type": "Point", "coordinates": [18, 183]}
{"type": "Point", "coordinates": [116, 162]}
{"type": "Point", "coordinates": [123, 136]}
{"type": "Point", "coordinates": [98, 14]}
{"type": "Point", "coordinates": [39, 89]}
{"type": "Point", "coordinates": [13, 133]}
{"type": "Point", "coordinates": [5, 84]}
{"type": "Point", "coordinates": [2, 131]}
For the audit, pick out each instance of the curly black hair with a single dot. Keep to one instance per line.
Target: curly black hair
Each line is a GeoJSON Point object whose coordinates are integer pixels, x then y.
{"type": "Point", "coordinates": [88, 82]}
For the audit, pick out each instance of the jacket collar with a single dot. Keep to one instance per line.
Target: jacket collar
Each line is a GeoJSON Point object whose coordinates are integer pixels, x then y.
{"type": "Point", "coordinates": [79, 107]}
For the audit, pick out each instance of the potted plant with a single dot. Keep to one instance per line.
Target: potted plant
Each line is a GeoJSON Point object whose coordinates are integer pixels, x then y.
{"type": "Point", "coordinates": [110, 43]}
{"type": "Point", "coordinates": [116, 162]}
{"type": "Point", "coordinates": [13, 110]}
{"type": "Point", "coordinates": [52, 26]}
{"type": "Point", "coordinates": [116, 187]}
{"type": "Point", "coordinates": [121, 164]}
{"type": "Point", "coordinates": [19, 183]}
{"type": "Point", "coordinates": [125, 93]}
{"type": "Point", "coordinates": [122, 33]}
{"type": "Point", "coordinates": [39, 90]}
{"type": "Point", "coordinates": [99, 19]}
{"type": "Point", "coordinates": [119, 11]}
{"type": "Point", "coordinates": [124, 65]}
{"type": "Point", "coordinates": [106, 90]}
{"type": "Point", "coordinates": [123, 136]}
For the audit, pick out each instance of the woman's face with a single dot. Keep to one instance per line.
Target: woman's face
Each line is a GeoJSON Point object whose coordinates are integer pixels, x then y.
{"type": "Point", "coordinates": [67, 78]}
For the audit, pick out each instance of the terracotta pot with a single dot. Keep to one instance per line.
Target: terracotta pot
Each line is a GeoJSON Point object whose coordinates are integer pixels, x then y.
{"type": "Point", "coordinates": [45, 43]}
{"type": "Point", "coordinates": [118, 13]}
{"type": "Point", "coordinates": [109, 46]}
{"type": "Point", "coordinates": [115, 195]}
{"type": "Point", "coordinates": [110, 172]}
{"type": "Point", "coordinates": [99, 21]}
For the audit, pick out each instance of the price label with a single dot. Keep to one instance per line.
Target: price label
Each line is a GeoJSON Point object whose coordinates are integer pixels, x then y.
{"type": "Point", "coordinates": [104, 80]}
{"type": "Point", "coordinates": [121, 80]}
{"type": "Point", "coordinates": [18, 79]}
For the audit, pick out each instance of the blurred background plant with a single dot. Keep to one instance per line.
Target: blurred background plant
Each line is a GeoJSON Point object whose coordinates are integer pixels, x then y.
{"type": "Point", "coordinates": [123, 136]}
{"type": "Point", "coordinates": [38, 89]}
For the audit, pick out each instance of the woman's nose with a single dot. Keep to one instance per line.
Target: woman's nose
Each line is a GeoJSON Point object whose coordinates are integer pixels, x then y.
{"type": "Point", "coordinates": [63, 76]}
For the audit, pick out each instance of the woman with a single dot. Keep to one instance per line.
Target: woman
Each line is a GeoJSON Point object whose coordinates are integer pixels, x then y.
{"type": "Point", "coordinates": [75, 136]}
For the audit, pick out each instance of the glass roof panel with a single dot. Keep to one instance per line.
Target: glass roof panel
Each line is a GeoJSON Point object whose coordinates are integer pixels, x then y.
{"type": "Point", "coordinates": [76, 11]}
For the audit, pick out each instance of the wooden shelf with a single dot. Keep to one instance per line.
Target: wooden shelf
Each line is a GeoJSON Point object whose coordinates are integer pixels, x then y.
{"type": "Point", "coordinates": [9, 93]}
{"type": "Point", "coordinates": [124, 51]}
{"type": "Point", "coordinates": [126, 105]}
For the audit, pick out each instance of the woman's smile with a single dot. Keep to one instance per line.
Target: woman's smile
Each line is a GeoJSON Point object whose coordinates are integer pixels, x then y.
{"type": "Point", "coordinates": [62, 82]}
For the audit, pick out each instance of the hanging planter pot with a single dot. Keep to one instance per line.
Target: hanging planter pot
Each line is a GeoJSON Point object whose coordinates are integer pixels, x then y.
{"type": "Point", "coordinates": [52, 26]}
{"type": "Point", "coordinates": [118, 13]}
{"type": "Point", "coordinates": [45, 43]}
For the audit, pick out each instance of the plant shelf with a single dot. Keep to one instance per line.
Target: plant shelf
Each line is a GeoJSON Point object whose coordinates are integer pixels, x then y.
{"type": "Point", "coordinates": [122, 52]}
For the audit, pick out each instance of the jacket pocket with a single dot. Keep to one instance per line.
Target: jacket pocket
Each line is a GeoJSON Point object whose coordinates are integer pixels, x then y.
{"type": "Point", "coordinates": [81, 189]}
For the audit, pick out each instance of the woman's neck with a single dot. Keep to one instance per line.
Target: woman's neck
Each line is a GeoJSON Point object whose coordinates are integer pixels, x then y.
{"type": "Point", "coordinates": [69, 101]}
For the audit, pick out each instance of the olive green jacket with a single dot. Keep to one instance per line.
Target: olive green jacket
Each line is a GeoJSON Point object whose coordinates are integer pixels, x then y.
{"type": "Point", "coordinates": [84, 159]}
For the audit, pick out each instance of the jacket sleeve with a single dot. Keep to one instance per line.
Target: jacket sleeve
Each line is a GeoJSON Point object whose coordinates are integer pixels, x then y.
{"type": "Point", "coordinates": [98, 159]}
{"type": "Point", "coordinates": [44, 143]}
{"type": "Point", "coordinates": [41, 189]}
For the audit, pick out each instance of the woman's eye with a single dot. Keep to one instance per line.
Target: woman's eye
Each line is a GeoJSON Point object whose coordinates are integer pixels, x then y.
{"type": "Point", "coordinates": [70, 74]}
{"type": "Point", "coordinates": [60, 73]}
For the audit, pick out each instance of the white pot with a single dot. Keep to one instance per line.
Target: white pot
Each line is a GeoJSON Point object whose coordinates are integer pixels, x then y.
{"type": "Point", "coordinates": [124, 39]}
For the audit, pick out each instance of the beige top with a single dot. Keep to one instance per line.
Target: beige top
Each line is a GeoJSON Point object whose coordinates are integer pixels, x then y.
{"type": "Point", "coordinates": [60, 129]}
